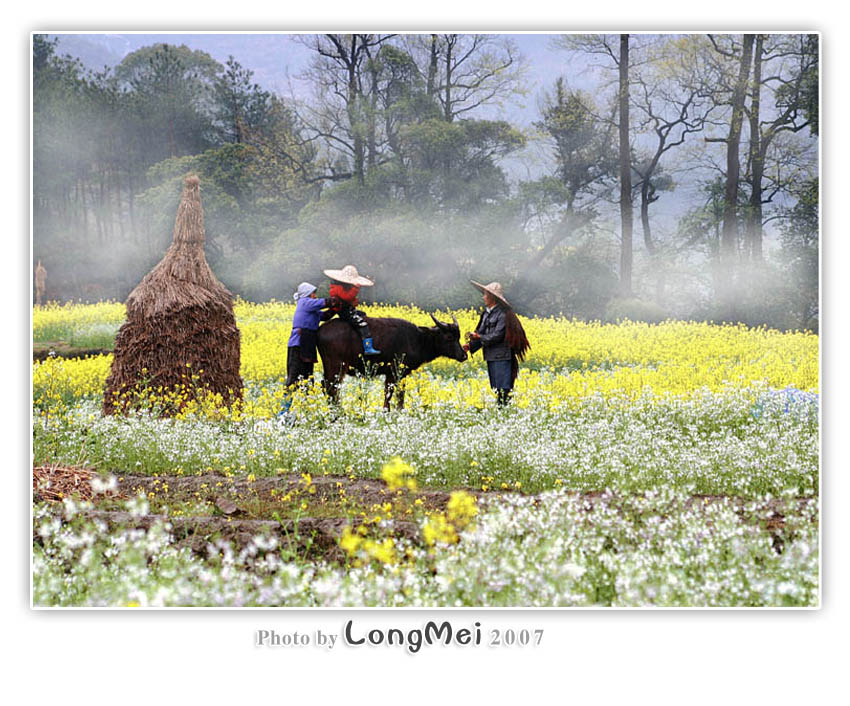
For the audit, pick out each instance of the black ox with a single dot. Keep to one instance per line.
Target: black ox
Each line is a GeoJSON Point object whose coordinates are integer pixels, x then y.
{"type": "Point", "coordinates": [404, 347]}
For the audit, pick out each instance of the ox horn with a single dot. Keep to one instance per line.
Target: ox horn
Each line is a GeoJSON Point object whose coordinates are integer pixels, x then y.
{"type": "Point", "coordinates": [434, 318]}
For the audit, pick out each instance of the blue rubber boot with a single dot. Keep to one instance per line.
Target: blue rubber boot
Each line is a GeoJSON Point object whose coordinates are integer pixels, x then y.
{"type": "Point", "coordinates": [284, 407]}
{"type": "Point", "coordinates": [368, 349]}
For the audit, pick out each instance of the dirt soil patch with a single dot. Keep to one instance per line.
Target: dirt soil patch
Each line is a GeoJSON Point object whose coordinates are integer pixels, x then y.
{"type": "Point", "coordinates": [63, 350]}
{"type": "Point", "coordinates": [307, 518]}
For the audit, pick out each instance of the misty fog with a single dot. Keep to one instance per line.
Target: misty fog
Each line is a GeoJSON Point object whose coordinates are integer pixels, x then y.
{"type": "Point", "coordinates": [430, 160]}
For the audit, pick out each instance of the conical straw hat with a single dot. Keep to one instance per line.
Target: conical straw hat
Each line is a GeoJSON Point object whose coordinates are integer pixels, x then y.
{"type": "Point", "coordinates": [349, 275]}
{"type": "Point", "coordinates": [493, 288]}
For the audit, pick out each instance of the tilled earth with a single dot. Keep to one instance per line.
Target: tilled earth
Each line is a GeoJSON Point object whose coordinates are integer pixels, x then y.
{"type": "Point", "coordinates": [307, 518]}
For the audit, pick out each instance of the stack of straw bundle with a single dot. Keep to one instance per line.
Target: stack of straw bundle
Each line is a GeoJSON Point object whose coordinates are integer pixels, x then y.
{"type": "Point", "coordinates": [180, 322]}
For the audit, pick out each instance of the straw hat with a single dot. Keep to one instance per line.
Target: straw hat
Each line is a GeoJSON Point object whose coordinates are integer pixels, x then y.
{"type": "Point", "coordinates": [348, 274]}
{"type": "Point", "coordinates": [493, 288]}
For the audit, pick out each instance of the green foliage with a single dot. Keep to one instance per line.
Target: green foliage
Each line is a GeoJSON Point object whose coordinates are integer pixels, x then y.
{"type": "Point", "coordinates": [170, 87]}
{"type": "Point", "coordinates": [241, 108]}
{"type": "Point", "coordinates": [584, 144]}
{"type": "Point", "coordinates": [802, 94]}
{"type": "Point", "coordinates": [800, 254]}
{"type": "Point", "coordinates": [454, 165]}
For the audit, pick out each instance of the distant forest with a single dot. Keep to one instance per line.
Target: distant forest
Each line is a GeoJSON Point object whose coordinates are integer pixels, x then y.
{"type": "Point", "coordinates": [395, 164]}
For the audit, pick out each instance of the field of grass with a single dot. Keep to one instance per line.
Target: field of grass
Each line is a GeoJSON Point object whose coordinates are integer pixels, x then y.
{"type": "Point", "coordinates": [670, 464]}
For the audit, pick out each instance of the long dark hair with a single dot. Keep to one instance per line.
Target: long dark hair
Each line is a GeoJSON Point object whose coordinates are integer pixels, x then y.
{"type": "Point", "coordinates": [515, 334]}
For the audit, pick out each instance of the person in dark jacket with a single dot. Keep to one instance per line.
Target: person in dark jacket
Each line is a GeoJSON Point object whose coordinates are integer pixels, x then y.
{"type": "Point", "coordinates": [301, 349]}
{"type": "Point", "coordinates": [345, 286]}
{"type": "Point", "coordinates": [500, 334]}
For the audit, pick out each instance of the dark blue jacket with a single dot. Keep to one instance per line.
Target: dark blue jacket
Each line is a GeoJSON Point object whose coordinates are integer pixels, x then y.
{"type": "Point", "coordinates": [491, 329]}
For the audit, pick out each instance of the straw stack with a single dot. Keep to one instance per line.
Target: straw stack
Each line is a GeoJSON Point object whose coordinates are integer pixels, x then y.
{"type": "Point", "coordinates": [180, 322]}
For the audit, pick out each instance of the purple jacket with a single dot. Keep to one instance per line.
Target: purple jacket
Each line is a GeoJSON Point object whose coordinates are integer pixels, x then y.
{"type": "Point", "coordinates": [308, 314]}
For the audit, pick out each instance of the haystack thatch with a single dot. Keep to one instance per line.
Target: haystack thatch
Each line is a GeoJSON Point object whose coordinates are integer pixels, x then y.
{"type": "Point", "coordinates": [180, 321]}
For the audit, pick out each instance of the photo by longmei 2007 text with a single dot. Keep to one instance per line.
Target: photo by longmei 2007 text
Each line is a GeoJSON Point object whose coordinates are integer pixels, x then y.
{"type": "Point", "coordinates": [413, 640]}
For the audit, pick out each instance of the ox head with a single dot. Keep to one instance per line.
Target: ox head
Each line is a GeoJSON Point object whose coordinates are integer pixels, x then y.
{"type": "Point", "coordinates": [449, 339]}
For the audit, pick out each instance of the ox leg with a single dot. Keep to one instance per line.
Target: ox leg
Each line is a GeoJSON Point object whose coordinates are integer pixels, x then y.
{"type": "Point", "coordinates": [331, 385]}
{"type": "Point", "coordinates": [389, 389]}
{"type": "Point", "coordinates": [400, 392]}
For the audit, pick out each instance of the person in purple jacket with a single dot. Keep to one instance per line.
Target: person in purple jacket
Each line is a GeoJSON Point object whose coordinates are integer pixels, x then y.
{"type": "Point", "coordinates": [301, 351]}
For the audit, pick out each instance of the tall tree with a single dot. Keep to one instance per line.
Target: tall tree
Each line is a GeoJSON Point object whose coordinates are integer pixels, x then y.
{"type": "Point", "coordinates": [792, 65]}
{"type": "Point", "coordinates": [669, 105]}
{"type": "Point", "coordinates": [626, 213]}
{"type": "Point", "coordinates": [617, 55]}
{"type": "Point", "coordinates": [729, 235]}
{"type": "Point", "coordinates": [341, 114]}
{"type": "Point", "coordinates": [454, 166]}
{"type": "Point", "coordinates": [172, 87]}
{"type": "Point", "coordinates": [585, 166]}
{"type": "Point", "coordinates": [799, 239]}
{"type": "Point", "coordinates": [240, 106]}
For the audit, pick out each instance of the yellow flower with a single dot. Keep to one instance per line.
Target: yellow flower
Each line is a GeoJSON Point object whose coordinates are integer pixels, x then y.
{"type": "Point", "coordinates": [349, 541]}
{"type": "Point", "coordinates": [438, 529]}
{"type": "Point", "coordinates": [461, 508]}
{"type": "Point", "coordinates": [398, 474]}
{"type": "Point", "coordinates": [383, 552]}
{"type": "Point", "coordinates": [615, 361]}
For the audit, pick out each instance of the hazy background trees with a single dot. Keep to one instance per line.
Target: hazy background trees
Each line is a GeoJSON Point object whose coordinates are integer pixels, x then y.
{"type": "Point", "coordinates": [402, 160]}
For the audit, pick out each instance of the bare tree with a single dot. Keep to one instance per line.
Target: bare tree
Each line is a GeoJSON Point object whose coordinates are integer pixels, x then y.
{"type": "Point", "coordinates": [616, 53]}
{"type": "Point", "coordinates": [790, 62]}
{"type": "Point", "coordinates": [466, 71]}
{"type": "Point", "coordinates": [729, 234]}
{"type": "Point", "coordinates": [669, 104]}
{"type": "Point", "coordinates": [342, 114]}
{"type": "Point", "coordinates": [626, 214]}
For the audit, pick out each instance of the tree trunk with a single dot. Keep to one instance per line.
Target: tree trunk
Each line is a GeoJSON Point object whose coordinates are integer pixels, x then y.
{"type": "Point", "coordinates": [372, 151]}
{"type": "Point", "coordinates": [625, 174]}
{"type": "Point", "coordinates": [729, 234]}
{"type": "Point", "coordinates": [754, 213]}
{"type": "Point", "coordinates": [647, 196]}
{"type": "Point", "coordinates": [353, 113]}
{"type": "Point", "coordinates": [448, 89]}
{"type": "Point", "coordinates": [432, 67]}
{"type": "Point", "coordinates": [645, 200]}
{"type": "Point", "coordinates": [172, 141]}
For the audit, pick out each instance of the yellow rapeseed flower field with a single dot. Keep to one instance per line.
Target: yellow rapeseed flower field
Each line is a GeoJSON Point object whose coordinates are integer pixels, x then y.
{"type": "Point", "coordinates": [568, 359]}
{"type": "Point", "coordinates": [53, 318]}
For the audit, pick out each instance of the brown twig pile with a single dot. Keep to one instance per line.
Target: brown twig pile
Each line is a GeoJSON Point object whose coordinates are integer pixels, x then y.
{"type": "Point", "coordinates": [55, 483]}
{"type": "Point", "coordinates": [180, 329]}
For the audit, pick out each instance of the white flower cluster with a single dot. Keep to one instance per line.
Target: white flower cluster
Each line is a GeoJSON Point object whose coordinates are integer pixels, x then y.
{"type": "Point", "coordinates": [712, 443]}
{"type": "Point", "coordinates": [558, 549]}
